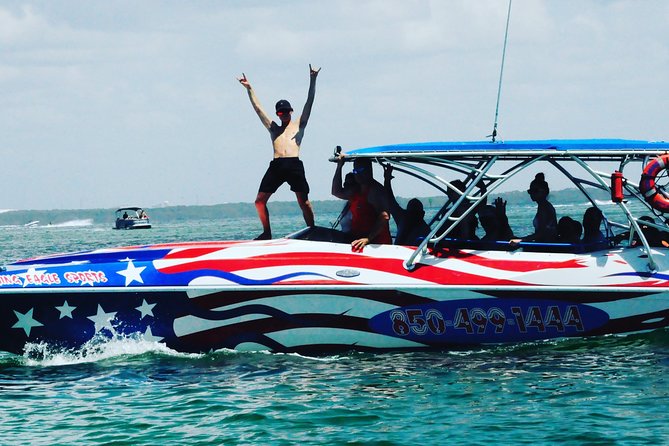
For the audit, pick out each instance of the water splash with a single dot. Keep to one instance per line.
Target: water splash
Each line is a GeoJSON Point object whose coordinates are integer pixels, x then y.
{"type": "Point", "coordinates": [73, 223]}
{"type": "Point", "coordinates": [100, 348]}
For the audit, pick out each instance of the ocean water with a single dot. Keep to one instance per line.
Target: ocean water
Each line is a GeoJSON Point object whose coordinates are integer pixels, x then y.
{"type": "Point", "coordinates": [606, 390]}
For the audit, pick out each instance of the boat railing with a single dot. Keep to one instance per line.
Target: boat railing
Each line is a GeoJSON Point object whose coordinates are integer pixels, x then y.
{"type": "Point", "coordinates": [475, 161]}
{"type": "Point", "coordinates": [652, 265]}
{"type": "Point", "coordinates": [446, 223]}
{"type": "Point", "coordinates": [580, 183]}
{"type": "Point", "coordinates": [503, 245]}
{"type": "Point", "coordinates": [436, 235]}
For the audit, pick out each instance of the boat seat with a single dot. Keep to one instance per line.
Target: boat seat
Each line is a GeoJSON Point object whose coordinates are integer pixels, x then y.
{"type": "Point", "coordinates": [322, 234]}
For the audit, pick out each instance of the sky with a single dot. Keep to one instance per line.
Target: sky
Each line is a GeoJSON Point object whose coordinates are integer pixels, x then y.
{"type": "Point", "coordinates": [112, 103]}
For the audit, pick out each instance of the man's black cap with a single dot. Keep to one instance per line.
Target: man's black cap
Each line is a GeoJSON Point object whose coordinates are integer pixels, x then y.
{"type": "Point", "coordinates": [283, 105]}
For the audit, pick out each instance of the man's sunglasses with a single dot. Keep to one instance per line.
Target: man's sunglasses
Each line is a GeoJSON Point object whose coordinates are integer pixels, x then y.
{"type": "Point", "coordinates": [284, 112]}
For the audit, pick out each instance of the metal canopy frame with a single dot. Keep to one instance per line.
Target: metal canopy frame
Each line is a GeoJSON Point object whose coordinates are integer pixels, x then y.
{"type": "Point", "coordinates": [475, 161]}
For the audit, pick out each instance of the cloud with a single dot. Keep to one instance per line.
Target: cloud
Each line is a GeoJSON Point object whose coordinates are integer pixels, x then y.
{"type": "Point", "coordinates": [16, 29]}
{"type": "Point", "coordinates": [95, 93]}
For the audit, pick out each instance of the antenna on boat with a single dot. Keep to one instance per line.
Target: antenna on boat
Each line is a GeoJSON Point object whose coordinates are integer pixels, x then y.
{"type": "Point", "coordinates": [501, 72]}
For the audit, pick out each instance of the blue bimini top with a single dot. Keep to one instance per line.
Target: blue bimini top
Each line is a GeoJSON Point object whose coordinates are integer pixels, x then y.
{"type": "Point", "coordinates": [583, 148]}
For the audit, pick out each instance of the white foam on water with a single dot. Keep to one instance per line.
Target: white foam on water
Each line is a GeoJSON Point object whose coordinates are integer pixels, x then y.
{"type": "Point", "coordinates": [74, 223]}
{"type": "Point", "coordinates": [228, 351]}
{"type": "Point", "coordinates": [96, 350]}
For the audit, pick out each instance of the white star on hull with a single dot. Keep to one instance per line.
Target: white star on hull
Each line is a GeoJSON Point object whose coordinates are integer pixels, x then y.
{"type": "Point", "coordinates": [132, 273]}
{"type": "Point", "coordinates": [26, 321]}
{"type": "Point", "coordinates": [146, 309]}
{"type": "Point", "coordinates": [102, 319]}
{"type": "Point", "coordinates": [148, 336]}
{"type": "Point", "coordinates": [65, 310]}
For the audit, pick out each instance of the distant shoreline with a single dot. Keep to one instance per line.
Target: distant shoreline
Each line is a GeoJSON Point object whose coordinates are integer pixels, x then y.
{"type": "Point", "coordinates": [238, 210]}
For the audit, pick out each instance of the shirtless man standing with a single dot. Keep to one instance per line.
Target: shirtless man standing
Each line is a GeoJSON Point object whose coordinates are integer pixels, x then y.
{"type": "Point", "coordinates": [286, 165]}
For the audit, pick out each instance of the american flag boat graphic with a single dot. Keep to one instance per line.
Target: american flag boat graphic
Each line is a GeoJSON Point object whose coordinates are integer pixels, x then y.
{"type": "Point", "coordinates": [311, 293]}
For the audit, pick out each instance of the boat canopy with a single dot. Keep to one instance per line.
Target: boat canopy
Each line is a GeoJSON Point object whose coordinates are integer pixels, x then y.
{"type": "Point", "coordinates": [129, 208]}
{"type": "Point", "coordinates": [473, 161]}
{"type": "Point", "coordinates": [583, 148]}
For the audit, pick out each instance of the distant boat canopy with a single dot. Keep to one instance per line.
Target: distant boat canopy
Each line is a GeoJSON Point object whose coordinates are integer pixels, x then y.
{"type": "Point", "coordinates": [132, 217]}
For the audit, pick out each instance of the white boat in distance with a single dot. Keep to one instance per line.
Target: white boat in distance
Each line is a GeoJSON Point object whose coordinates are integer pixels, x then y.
{"type": "Point", "coordinates": [310, 293]}
{"type": "Point", "coordinates": [132, 217]}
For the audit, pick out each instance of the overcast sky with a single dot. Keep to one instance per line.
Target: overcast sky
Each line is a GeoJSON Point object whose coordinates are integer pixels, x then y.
{"type": "Point", "coordinates": [108, 103]}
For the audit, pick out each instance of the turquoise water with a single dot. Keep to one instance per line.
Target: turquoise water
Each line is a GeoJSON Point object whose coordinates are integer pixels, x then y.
{"type": "Point", "coordinates": [608, 390]}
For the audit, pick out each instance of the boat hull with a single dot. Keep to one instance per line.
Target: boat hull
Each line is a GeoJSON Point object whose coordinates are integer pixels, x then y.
{"type": "Point", "coordinates": [132, 224]}
{"type": "Point", "coordinates": [315, 297]}
{"type": "Point", "coordinates": [312, 321]}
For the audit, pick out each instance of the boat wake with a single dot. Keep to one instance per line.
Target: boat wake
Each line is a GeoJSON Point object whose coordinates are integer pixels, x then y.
{"type": "Point", "coordinates": [73, 223]}
{"type": "Point", "coordinates": [122, 347]}
{"type": "Point", "coordinates": [119, 347]}
{"type": "Point", "coordinates": [98, 349]}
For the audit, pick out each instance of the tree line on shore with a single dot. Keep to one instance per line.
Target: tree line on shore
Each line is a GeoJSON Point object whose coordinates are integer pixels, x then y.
{"type": "Point", "coordinates": [241, 210]}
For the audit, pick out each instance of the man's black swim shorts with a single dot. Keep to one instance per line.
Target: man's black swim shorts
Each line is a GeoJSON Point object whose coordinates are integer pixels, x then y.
{"type": "Point", "coordinates": [284, 170]}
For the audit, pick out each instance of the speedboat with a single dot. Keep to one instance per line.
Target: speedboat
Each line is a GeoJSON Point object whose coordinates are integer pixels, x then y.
{"type": "Point", "coordinates": [311, 293]}
{"type": "Point", "coordinates": [132, 217]}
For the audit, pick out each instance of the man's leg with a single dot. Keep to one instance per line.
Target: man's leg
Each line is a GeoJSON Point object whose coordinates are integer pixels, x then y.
{"type": "Point", "coordinates": [307, 210]}
{"type": "Point", "coordinates": [263, 214]}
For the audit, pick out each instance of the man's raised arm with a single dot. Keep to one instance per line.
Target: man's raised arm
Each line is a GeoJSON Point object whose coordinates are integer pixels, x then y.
{"type": "Point", "coordinates": [337, 188]}
{"type": "Point", "coordinates": [306, 112]}
{"type": "Point", "coordinates": [393, 206]}
{"type": "Point", "coordinates": [266, 121]}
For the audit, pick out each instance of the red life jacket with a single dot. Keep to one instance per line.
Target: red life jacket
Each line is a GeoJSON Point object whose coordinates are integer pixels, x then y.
{"type": "Point", "coordinates": [364, 217]}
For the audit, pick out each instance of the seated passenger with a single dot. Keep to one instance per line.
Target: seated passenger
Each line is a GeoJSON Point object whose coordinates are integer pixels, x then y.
{"type": "Point", "coordinates": [344, 219]}
{"type": "Point", "coordinates": [592, 220]}
{"type": "Point", "coordinates": [494, 221]}
{"type": "Point", "coordinates": [654, 236]}
{"type": "Point", "coordinates": [578, 230]}
{"type": "Point", "coordinates": [411, 227]}
{"type": "Point", "coordinates": [369, 204]}
{"type": "Point", "coordinates": [569, 230]}
{"type": "Point", "coordinates": [465, 229]}
{"type": "Point", "coordinates": [545, 220]}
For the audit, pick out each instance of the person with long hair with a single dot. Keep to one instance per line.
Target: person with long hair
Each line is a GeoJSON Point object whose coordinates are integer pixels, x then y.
{"type": "Point", "coordinates": [545, 220]}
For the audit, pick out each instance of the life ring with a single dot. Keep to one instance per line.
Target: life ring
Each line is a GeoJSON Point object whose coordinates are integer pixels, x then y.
{"type": "Point", "coordinates": [657, 198]}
